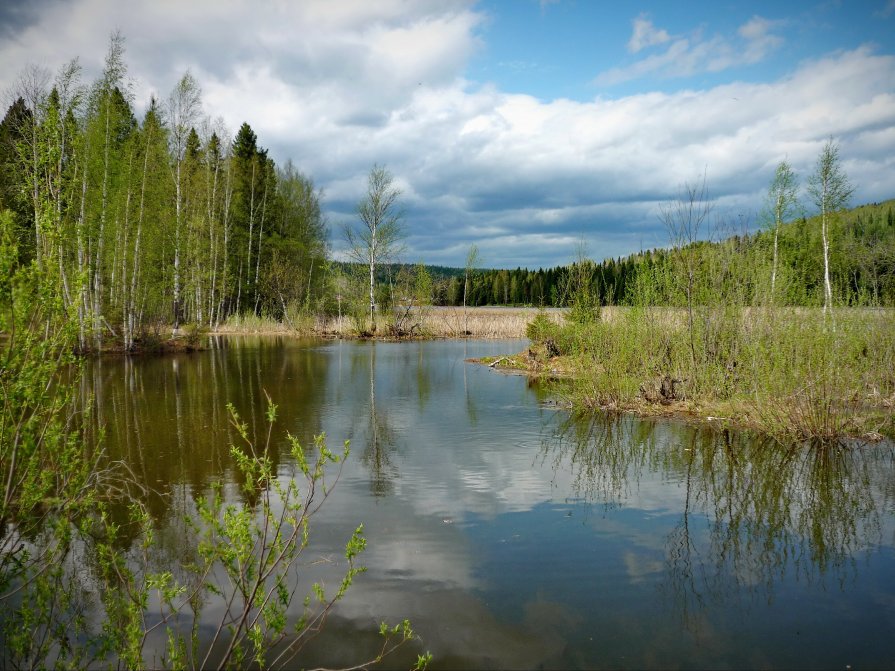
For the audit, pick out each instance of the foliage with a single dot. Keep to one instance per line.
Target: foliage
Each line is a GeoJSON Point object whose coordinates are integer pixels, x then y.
{"type": "Point", "coordinates": [830, 190]}
{"type": "Point", "coordinates": [49, 479]}
{"type": "Point", "coordinates": [79, 582]}
{"type": "Point", "coordinates": [245, 569]}
{"type": "Point", "coordinates": [782, 200]}
{"type": "Point", "coordinates": [578, 289]}
{"type": "Point", "coordinates": [411, 298]}
{"type": "Point", "coordinates": [377, 238]}
{"type": "Point", "coordinates": [43, 472]}
{"type": "Point", "coordinates": [704, 330]}
{"type": "Point", "coordinates": [159, 221]}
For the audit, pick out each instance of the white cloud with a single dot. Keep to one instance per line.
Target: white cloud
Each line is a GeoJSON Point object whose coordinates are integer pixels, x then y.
{"type": "Point", "coordinates": [646, 35]}
{"type": "Point", "coordinates": [686, 56]}
{"type": "Point", "coordinates": [760, 41]}
{"type": "Point", "coordinates": [340, 86]}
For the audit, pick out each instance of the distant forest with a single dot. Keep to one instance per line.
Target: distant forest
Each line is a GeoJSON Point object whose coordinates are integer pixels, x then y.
{"type": "Point", "coordinates": [862, 267]}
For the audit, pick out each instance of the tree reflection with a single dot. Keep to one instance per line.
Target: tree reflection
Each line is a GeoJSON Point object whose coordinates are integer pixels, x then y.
{"type": "Point", "coordinates": [166, 416]}
{"type": "Point", "coordinates": [752, 511]}
{"type": "Point", "coordinates": [607, 454]}
{"type": "Point", "coordinates": [371, 431]}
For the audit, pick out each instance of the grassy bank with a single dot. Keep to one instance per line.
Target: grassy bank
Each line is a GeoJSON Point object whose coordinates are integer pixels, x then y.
{"type": "Point", "coordinates": [789, 372]}
{"type": "Point", "coordinates": [428, 322]}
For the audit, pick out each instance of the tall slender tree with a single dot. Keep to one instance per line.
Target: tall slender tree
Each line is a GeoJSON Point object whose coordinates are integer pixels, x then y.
{"type": "Point", "coordinates": [184, 106]}
{"type": "Point", "coordinates": [249, 165]}
{"type": "Point", "coordinates": [377, 238]}
{"type": "Point", "coordinates": [830, 190]}
{"type": "Point", "coordinates": [782, 202]}
{"type": "Point", "coordinates": [472, 263]}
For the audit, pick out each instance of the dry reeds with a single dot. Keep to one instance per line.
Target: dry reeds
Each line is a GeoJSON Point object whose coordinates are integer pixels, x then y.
{"type": "Point", "coordinates": [449, 322]}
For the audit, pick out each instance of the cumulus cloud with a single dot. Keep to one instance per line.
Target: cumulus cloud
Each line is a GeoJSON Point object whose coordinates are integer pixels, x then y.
{"type": "Point", "coordinates": [338, 87]}
{"type": "Point", "coordinates": [685, 56]}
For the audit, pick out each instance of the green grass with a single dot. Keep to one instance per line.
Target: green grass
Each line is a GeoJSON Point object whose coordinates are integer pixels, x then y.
{"type": "Point", "coordinates": [788, 372]}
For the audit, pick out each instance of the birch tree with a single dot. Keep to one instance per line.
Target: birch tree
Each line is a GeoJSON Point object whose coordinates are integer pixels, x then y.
{"type": "Point", "coordinates": [377, 239]}
{"type": "Point", "coordinates": [184, 105]}
{"type": "Point", "coordinates": [686, 219]}
{"type": "Point", "coordinates": [472, 262]}
{"type": "Point", "coordinates": [782, 202]}
{"type": "Point", "coordinates": [830, 190]}
{"type": "Point", "coordinates": [109, 119]}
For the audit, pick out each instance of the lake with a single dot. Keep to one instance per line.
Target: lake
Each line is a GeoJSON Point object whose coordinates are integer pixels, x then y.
{"type": "Point", "coordinates": [514, 535]}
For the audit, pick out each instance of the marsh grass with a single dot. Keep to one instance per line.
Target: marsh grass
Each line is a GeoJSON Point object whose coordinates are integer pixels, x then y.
{"type": "Point", "coordinates": [443, 322]}
{"type": "Point", "coordinates": [295, 322]}
{"type": "Point", "coordinates": [431, 322]}
{"type": "Point", "coordinates": [820, 378]}
{"type": "Point", "coordinates": [789, 372]}
{"type": "Point", "coordinates": [483, 322]}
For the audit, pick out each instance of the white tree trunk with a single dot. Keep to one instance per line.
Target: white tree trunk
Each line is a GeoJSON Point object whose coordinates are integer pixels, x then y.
{"type": "Point", "coordinates": [828, 290]}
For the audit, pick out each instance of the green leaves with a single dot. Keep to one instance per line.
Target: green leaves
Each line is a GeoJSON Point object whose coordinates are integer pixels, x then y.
{"type": "Point", "coordinates": [59, 504]}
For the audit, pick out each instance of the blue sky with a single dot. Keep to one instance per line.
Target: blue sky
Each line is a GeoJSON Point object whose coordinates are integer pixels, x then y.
{"type": "Point", "coordinates": [559, 49]}
{"type": "Point", "coordinates": [522, 126]}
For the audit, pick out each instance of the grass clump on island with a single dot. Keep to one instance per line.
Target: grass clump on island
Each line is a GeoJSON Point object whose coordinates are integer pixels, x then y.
{"type": "Point", "coordinates": [788, 372]}
{"type": "Point", "coordinates": [731, 326]}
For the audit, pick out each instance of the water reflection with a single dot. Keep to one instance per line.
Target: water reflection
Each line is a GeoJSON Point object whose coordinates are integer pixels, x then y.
{"type": "Point", "coordinates": [513, 535]}
{"type": "Point", "coordinates": [379, 440]}
{"type": "Point", "coordinates": [752, 513]}
{"type": "Point", "coordinates": [166, 417]}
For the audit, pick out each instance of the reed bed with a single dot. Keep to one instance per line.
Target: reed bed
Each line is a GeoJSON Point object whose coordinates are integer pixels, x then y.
{"type": "Point", "coordinates": [431, 322]}
{"type": "Point", "coordinates": [483, 322]}
{"type": "Point", "coordinates": [450, 322]}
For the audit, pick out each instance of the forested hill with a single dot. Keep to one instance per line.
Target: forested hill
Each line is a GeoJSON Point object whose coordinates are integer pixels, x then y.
{"type": "Point", "coordinates": [862, 266]}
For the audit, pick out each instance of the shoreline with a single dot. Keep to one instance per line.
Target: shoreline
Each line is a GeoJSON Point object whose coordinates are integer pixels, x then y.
{"type": "Point", "coordinates": [536, 360]}
{"type": "Point", "coordinates": [724, 415]}
{"type": "Point", "coordinates": [436, 322]}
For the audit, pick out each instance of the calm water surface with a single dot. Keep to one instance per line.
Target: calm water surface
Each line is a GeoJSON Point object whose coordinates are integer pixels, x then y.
{"type": "Point", "coordinates": [514, 536]}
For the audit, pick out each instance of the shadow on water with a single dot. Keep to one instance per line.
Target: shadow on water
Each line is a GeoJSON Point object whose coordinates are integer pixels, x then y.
{"type": "Point", "coordinates": [753, 513]}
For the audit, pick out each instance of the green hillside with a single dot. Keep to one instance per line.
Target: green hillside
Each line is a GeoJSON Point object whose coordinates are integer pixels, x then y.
{"type": "Point", "coordinates": [862, 266]}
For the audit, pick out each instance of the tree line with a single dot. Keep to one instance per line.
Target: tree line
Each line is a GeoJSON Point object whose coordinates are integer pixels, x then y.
{"type": "Point", "coordinates": [861, 267]}
{"type": "Point", "coordinates": [167, 220]}
{"type": "Point", "coordinates": [163, 220]}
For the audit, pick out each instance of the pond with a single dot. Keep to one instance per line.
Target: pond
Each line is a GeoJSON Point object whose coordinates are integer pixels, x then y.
{"type": "Point", "coordinates": [513, 535]}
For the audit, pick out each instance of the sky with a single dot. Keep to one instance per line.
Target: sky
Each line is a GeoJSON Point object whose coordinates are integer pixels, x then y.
{"type": "Point", "coordinates": [530, 128]}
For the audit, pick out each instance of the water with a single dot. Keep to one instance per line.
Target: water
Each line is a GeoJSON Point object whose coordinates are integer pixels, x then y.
{"type": "Point", "coordinates": [515, 536]}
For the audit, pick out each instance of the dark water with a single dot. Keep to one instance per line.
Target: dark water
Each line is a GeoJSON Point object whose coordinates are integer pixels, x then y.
{"type": "Point", "coordinates": [514, 536]}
